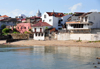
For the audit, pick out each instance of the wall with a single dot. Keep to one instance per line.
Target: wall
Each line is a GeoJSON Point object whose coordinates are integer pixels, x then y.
{"type": "Point", "coordinates": [22, 27]}
{"type": "Point", "coordinates": [55, 22]}
{"type": "Point", "coordinates": [88, 37]}
{"type": "Point", "coordinates": [64, 36]}
{"type": "Point", "coordinates": [47, 18]}
{"type": "Point", "coordinates": [39, 37]}
{"type": "Point", "coordinates": [20, 36]}
{"type": "Point", "coordinates": [95, 18]}
{"type": "Point", "coordinates": [64, 18]}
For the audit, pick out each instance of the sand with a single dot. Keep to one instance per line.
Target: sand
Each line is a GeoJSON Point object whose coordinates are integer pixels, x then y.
{"type": "Point", "coordinates": [52, 43]}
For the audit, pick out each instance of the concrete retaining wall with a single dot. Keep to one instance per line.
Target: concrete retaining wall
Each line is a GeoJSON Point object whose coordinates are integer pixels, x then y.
{"type": "Point", "coordinates": [88, 37]}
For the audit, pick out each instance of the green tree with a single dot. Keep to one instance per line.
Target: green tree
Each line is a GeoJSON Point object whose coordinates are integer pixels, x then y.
{"type": "Point", "coordinates": [5, 30]}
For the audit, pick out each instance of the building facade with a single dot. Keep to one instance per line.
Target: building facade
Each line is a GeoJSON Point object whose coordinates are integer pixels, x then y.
{"type": "Point", "coordinates": [39, 30]}
{"type": "Point", "coordinates": [55, 19]}
{"type": "Point", "coordinates": [22, 27]}
{"type": "Point", "coordinates": [84, 22]}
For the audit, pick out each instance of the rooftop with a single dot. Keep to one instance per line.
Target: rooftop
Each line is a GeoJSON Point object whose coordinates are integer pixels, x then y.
{"type": "Point", "coordinates": [41, 24]}
{"type": "Point", "coordinates": [56, 14]}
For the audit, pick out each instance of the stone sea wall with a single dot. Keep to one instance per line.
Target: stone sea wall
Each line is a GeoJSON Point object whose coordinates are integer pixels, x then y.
{"type": "Point", "coordinates": [20, 36]}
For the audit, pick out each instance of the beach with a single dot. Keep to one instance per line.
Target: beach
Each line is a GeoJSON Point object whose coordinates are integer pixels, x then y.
{"type": "Point", "coordinates": [52, 43]}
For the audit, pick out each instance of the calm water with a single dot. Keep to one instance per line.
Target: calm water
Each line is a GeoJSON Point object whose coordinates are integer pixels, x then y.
{"type": "Point", "coordinates": [41, 57]}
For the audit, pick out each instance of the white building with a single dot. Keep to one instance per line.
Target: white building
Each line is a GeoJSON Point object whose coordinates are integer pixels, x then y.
{"type": "Point", "coordinates": [38, 30]}
{"type": "Point", "coordinates": [85, 22]}
{"type": "Point", "coordinates": [55, 19]}
{"type": "Point", "coordinates": [21, 16]}
{"type": "Point", "coordinates": [38, 14]}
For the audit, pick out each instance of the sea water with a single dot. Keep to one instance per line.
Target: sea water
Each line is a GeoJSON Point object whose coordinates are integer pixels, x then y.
{"type": "Point", "coordinates": [49, 57]}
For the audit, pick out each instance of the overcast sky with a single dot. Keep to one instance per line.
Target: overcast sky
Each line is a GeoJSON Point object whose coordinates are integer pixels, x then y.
{"type": "Point", "coordinates": [13, 8]}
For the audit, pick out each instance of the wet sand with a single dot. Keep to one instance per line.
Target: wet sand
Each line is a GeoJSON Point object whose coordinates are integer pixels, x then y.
{"type": "Point", "coordinates": [52, 43]}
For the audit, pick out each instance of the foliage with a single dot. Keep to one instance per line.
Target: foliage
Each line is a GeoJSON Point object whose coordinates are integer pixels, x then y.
{"type": "Point", "coordinates": [94, 41]}
{"type": "Point", "coordinates": [5, 34]}
{"type": "Point", "coordinates": [46, 28]}
{"type": "Point", "coordinates": [30, 30]}
{"type": "Point", "coordinates": [5, 30]}
{"type": "Point", "coordinates": [65, 13]}
{"type": "Point", "coordinates": [26, 32]}
{"type": "Point", "coordinates": [79, 41]}
{"type": "Point", "coordinates": [3, 26]}
{"type": "Point", "coordinates": [15, 32]}
{"type": "Point", "coordinates": [70, 13]}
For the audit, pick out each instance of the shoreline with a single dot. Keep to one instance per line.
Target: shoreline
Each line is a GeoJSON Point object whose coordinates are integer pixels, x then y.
{"type": "Point", "coordinates": [52, 43]}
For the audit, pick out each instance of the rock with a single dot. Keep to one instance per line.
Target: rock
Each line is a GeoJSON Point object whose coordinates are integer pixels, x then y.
{"type": "Point", "coordinates": [95, 66]}
{"type": "Point", "coordinates": [98, 62]}
{"type": "Point", "coordinates": [93, 63]}
{"type": "Point", "coordinates": [98, 58]}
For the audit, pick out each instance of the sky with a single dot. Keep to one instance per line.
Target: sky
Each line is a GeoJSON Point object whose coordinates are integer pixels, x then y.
{"type": "Point", "coordinates": [13, 8]}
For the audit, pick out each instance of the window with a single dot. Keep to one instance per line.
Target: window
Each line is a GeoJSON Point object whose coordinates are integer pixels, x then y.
{"type": "Point", "coordinates": [49, 20]}
{"type": "Point", "coordinates": [24, 27]}
{"type": "Point", "coordinates": [41, 34]}
{"type": "Point", "coordinates": [44, 16]}
{"type": "Point", "coordinates": [40, 29]}
{"type": "Point", "coordinates": [86, 19]}
{"type": "Point", "coordinates": [35, 34]}
{"type": "Point", "coordinates": [34, 29]}
{"type": "Point", "coordinates": [21, 27]}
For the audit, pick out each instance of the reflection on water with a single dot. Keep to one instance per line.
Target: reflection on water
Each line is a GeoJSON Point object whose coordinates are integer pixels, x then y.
{"type": "Point", "coordinates": [48, 57]}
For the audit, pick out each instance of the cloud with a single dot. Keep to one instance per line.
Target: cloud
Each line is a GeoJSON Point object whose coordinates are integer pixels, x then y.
{"type": "Point", "coordinates": [16, 12]}
{"type": "Point", "coordinates": [93, 10]}
{"type": "Point", "coordinates": [75, 7]}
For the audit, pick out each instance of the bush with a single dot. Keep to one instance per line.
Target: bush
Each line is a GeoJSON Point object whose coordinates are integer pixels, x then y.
{"type": "Point", "coordinates": [15, 32]}
{"type": "Point", "coordinates": [46, 28]}
{"type": "Point", "coordinates": [3, 26]}
{"type": "Point", "coordinates": [25, 32]}
{"type": "Point", "coordinates": [5, 30]}
{"type": "Point", "coordinates": [30, 30]}
{"type": "Point", "coordinates": [5, 34]}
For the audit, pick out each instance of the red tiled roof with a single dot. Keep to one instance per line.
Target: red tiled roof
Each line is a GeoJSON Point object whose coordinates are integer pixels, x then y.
{"type": "Point", "coordinates": [40, 24]}
{"type": "Point", "coordinates": [4, 16]}
{"type": "Point", "coordinates": [55, 14]}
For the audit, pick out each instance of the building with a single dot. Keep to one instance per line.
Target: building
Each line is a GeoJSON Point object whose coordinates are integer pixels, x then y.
{"type": "Point", "coordinates": [84, 23]}
{"type": "Point", "coordinates": [39, 30]}
{"type": "Point", "coordinates": [55, 19]}
{"type": "Point", "coordinates": [3, 17]}
{"type": "Point", "coordinates": [22, 27]}
{"type": "Point", "coordinates": [8, 21]}
{"type": "Point", "coordinates": [38, 14]}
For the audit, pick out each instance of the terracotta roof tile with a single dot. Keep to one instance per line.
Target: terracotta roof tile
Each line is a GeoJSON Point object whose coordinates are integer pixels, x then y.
{"type": "Point", "coordinates": [55, 14]}
{"type": "Point", "coordinates": [41, 24]}
{"type": "Point", "coordinates": [4, 16]}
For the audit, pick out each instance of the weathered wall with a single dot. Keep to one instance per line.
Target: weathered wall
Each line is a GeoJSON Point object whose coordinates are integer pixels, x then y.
{"type": "Point", "coordinates": [88, 37]}
{"type": "Point", "coordinates": [95, 30]}
{"type": "Point", "coordinates": [20, 36]}
{"type": "Point", "coordinates": [63, 36]}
